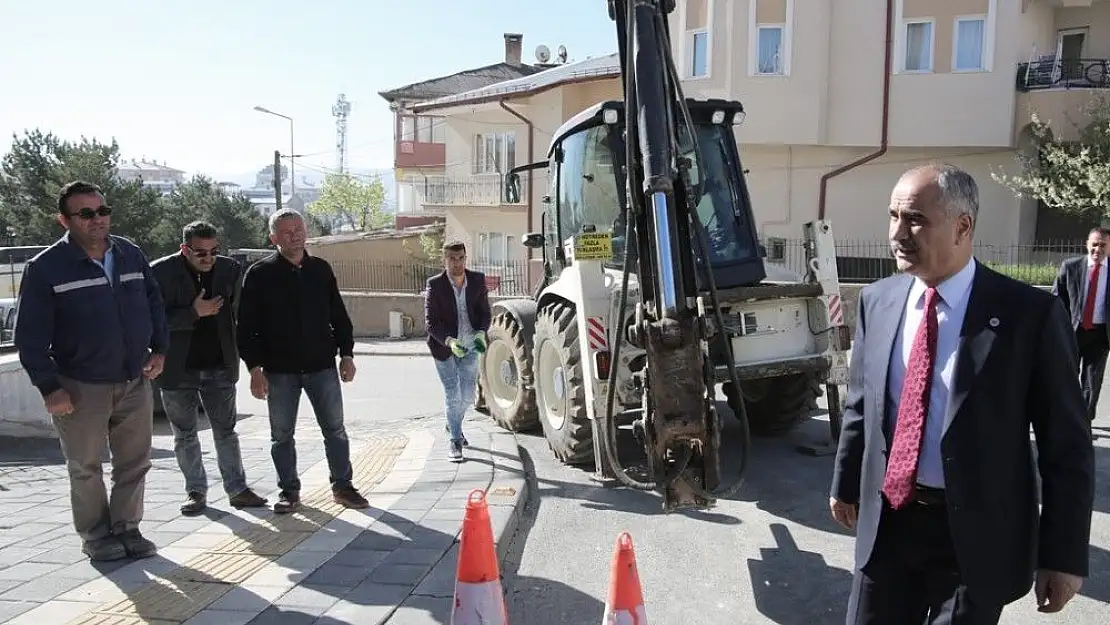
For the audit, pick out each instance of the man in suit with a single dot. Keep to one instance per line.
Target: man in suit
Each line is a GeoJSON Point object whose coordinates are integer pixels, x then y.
{"type": "Point", "coordinates": [1081, 286]}
{"type": "Point", "coordinates": [201, 290]}
{"type": "Point", "coordinates": [456, 319]}
{"type": "Point", "coordinates": [952, 363]}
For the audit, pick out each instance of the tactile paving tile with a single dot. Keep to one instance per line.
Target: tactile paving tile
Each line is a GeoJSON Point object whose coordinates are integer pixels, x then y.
{"type": "Point", "coordinates": [203, 579]}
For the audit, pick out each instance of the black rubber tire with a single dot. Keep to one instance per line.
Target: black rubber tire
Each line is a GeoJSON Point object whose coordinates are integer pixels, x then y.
{"type": "Point", "coordinates": [780, 404]}
{"type": "Point", "coordinates": [573, 443]}
{"type": "Point", "coordinates": [521, 414]}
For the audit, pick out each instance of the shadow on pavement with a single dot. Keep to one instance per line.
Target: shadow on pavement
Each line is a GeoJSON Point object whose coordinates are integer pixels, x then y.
{"type": "Point", "coordinates": [43, 451]}
{"type": "Point", "coordinates": [1097, 586]}
{"type": "Point", "coordinates": [527, 597]}
{"type": "Point", "coordinates": [368, 580]}
{"type": "Point", "coordinates": [795, 587]}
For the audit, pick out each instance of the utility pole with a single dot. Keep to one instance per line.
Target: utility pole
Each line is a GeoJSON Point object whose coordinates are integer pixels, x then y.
{"type": "Point", "coordinates": [277, 180]}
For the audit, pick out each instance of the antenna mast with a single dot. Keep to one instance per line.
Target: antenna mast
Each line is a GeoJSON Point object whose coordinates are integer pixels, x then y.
{"type": "Point", "coordinates": [340, 111]}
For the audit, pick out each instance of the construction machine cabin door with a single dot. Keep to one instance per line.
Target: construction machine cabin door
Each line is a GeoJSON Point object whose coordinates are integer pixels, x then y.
{"type": "Point", "coordinates": [587, 194]}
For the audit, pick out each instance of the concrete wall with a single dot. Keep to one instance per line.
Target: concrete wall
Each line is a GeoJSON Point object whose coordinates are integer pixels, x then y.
{"type": "Point", "coordinates": [22, 412]}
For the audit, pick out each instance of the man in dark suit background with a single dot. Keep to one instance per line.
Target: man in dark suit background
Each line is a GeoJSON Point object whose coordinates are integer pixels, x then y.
{"type": "Point", "coordinates": [201, 289]}
{"type": "Point", "coordinates": [1081, 285]}
{"type": "Point", "coordinates": [456, 318]}
{"type": "Point", "coordinates": [935, 468]}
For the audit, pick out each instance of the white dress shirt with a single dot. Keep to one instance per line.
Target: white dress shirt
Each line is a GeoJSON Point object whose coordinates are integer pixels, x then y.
{"type": "Point", "coordinates": [951, 307]}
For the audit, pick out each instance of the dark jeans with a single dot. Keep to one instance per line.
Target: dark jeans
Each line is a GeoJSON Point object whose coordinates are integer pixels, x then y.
{"type": "Point", "coordinates": [216, 392]}
{"type": "Point", "coordinates": [326, 397]}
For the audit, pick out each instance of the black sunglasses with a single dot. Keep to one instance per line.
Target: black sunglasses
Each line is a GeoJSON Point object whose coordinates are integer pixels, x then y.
{"type": "Point", "coordinates": [88, 213]}
{"type": "Point", "coordinates": [205, 253]}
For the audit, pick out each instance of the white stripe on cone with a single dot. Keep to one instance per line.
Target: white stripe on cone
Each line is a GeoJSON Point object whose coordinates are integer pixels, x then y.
{"type": "Point", "coordinates": [479, 604]}
{"type": "Point", "coordinates": [624, 617]}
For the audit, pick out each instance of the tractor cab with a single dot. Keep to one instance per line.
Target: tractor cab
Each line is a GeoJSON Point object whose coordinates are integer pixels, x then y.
{"type": "Point", "coordinates": [586, 189]}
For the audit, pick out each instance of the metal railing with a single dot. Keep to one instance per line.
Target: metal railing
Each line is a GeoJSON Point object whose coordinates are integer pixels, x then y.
{"type": "Point", "coordinates": [482, 191]}
{"type": "Point", "coordinates": [864, 261]}
{"type": "Point", "coordinates": [1052, 73]}
{"type": "Point", "coordinates": [504, 278]}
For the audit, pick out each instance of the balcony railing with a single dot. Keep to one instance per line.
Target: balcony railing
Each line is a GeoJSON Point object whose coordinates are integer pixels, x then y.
{"type": "Point", "coordinates": [419, 154]}
{"type": "Point", "coordinates": [486, 191]}
{"type": "Point", "coordinates": [1052, 73]}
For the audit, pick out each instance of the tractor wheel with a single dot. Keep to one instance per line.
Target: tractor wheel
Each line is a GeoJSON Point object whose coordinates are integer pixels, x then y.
{"type": "Point", "coordinates": [505, 376]}
{"type": "Point", "coordinates": [560, 392]}
{"type": "Point", "coordinates": [776, 405]}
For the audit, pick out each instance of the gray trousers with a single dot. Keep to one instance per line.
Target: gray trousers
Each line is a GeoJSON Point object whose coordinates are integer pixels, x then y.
{"type": "Point", "coordinates": [216, 392]}
{"type": "Point", "coordinates": [122, 414]}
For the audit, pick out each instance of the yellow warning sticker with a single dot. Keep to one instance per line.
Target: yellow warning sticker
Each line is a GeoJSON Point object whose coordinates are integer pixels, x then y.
{"type": "Point", "coordinates": [593, 246]}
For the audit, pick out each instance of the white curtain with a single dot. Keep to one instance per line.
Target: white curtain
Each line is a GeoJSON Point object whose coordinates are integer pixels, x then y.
{"type": "Point", "coordinates": [770, 43]}
{"type": "Point", "coordinates": [969, 45]}
{"type": "Point", "coordinates": [919, 44]}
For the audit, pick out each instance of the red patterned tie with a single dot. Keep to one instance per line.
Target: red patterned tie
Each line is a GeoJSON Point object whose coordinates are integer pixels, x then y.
{"type": "Point", "coordinates": [913, 408]}
{"type": "Point", "coordinates": [1092, 295]}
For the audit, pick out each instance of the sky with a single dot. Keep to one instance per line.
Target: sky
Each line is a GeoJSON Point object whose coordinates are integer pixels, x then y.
{"type": "Point", "coordinates": [178, 81]}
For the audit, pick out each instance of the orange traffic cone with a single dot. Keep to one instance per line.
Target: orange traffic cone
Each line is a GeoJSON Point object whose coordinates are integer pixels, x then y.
{"type": "Point", "coordinates": [625, 604]}
{"type": "Point", "coordinates": [478, 597]}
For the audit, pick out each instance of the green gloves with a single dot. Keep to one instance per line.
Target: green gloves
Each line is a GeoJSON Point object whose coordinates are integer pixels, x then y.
{"type": "Point", "coordinates": [480, 342]}
{"type": "Point", "coordinates": [456, 348]}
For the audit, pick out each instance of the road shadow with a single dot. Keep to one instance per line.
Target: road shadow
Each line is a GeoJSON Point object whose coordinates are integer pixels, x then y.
{"type": "Point", "coordinates": [612, 495]}
{"type": "Point", "coordinates": [527, 596]}
{"type": "Point", "coordinates": [162, 423]}
{"type": "Point", "coordinates": [795, 587]}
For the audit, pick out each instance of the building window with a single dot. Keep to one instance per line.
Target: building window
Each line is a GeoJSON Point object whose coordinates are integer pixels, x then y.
{"type": "Point", "coordinates": [969, 44]}
{"type": "Point", "coordinates": [919, 46]}
{"type": "Point", "coordinates": [494, 153]}
{"type": "Point", "coordinates": [699, 53]}
{"type": "Point", "coordinates": [769, 50]}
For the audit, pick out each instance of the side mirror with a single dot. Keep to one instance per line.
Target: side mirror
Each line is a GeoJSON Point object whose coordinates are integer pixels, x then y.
{"type": "Point", "coordinates": [512, 188]}
{"type": "Point", "coordinates": [533, 240]}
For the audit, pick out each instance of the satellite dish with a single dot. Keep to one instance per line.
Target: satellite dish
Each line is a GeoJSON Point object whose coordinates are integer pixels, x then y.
{"type": "Point", "coordinates": [543, 53]}
{"type": "Point", "coordinates": [562, 54]}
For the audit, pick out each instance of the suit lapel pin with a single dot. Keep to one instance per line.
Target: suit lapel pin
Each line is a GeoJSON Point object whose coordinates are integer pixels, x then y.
{"type": "Point", "coordinates": [993, 322]}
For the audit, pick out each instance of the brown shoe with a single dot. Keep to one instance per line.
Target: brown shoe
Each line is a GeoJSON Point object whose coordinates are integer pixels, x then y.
{"type": "Point", "coordinates": [287, 502]}
{"type": "Point", "coordinates": [348, 496]}
{"type": "Point", "coordinates": [194, 504]}
{"type": "Point", "coordinates": [247, 499]}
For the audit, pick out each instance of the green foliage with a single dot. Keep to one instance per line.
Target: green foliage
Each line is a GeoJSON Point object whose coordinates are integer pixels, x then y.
{"type": "Point", "coordinates": [1043, 274]}
{"type": "Point", "coordinates": [432, 244]}
{"type": "Point", "coordinates": [348, 199]}
{"type": "Point", "coordinates": [39, 164]}
{"type": "Point", "coordinates": [1069, 176]}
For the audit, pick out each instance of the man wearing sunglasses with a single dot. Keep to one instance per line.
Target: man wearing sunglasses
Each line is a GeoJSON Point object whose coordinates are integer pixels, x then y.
{"type": "Point", "coordinates": [201, 292]}
{"type": "Point", "coordinates": [91, 334]}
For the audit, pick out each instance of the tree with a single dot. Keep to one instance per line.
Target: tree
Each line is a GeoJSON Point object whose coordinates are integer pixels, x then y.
{"type": "Point", "coordinates": [40, 164]}
{"type": "Point", "coordinates": [1069, 176]}
{"type": "Point", "coordinates": [239, 224]}
{"type": "Point", "coordinates": [359, 204]}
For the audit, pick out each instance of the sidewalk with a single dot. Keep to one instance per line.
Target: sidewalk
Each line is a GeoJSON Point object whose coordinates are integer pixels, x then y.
{"type": "Point", "coordinates": [392, 347]}
{"type": "Point", "coordinates": [393, 563]}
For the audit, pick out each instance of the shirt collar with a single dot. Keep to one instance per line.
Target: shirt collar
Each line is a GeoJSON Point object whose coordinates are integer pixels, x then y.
{"type": "Point", "coordinates": [1090, 263]}
{"type": "Point", "coordinates": [952, 291]}
{"type": "Point", "coordinates": [80, 253]}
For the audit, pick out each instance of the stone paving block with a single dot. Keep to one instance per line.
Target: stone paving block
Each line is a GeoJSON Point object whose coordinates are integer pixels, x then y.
{"type": "Point", "coordinates": [28, 570]}
{"type": "Point", "coordinates": [440, 582]}
{"type": "Point", "coordinates": [275, 615]}
{"type": "Point", "coordinates": [421, 611]}
{"type": "Point", "coordinates": [400, 574]}
{"type": "Point", "coordinates": [11, 556]}
{"type": "Point", "coordinates": [221, 617]}
{"type": "Point", "coordinates": [375, 541]}
{"type": "Point", "coordinates": [362, 558]}
{"type": "Point", "coordinates": [60, 555]}
{"type": "Point", "coordinates": [346, 611]}
{"type": "Point", "coordinates": [41, 589]}
{"type": "Point", "coordinates": [251, 600]}
{"type": "Point", "coordinates": [317, 597]}
{"type": "Point", "coordinates": [11, 609]}
{"type": "Point", "coordinates": [414, 555]}
{"type": "Point", "coordinates": [57, 612]}
{"type": "Point", "coordinates": [331, 574]}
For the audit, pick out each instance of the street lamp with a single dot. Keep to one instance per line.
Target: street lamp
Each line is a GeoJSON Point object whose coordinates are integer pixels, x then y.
{"type": "Point", "coordinates": [292, 168]}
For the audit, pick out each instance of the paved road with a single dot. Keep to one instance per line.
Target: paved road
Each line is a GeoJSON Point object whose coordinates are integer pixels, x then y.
{"type": "Point", "coordinates": [772, 555]}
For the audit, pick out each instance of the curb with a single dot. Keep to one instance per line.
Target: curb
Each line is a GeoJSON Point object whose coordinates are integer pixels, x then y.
{"type": "Point", "coordinates": [508, 491]}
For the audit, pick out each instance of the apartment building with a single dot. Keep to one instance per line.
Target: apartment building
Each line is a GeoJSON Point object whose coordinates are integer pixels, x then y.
{"type": "Point", "coordinates": [490, 130]}
{"type": "Point", "coordinates": [828, 129]}
{"type": "Point", "coordinates": [420, 149]}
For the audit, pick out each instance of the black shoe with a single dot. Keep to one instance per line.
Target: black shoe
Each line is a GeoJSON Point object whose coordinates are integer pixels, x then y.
{"type": "Point", "coordinates": [194, 504]}
{"type": "Point", "coordinates": [136, 545]}
{"type": "Point", "coordinates": [287, 502]}
{"type": "Point", "coordinates": [247, 499]}
{"type": "Point", "coordinates": [104, 549]}
{"type": "Point", "coordinates": [349, 497]}
{"type": "Point", "coordinates": [465, 443]}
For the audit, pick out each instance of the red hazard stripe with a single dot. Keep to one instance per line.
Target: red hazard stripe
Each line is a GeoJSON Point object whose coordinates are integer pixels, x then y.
{"type": "Point", "coordinates": [596, 333]}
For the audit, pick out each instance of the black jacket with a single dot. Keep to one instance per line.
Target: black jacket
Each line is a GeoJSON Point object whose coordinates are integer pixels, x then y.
{"type": "Point", "coordinates": [178, 292]}
{"type": "Point", "coordinates": [292, 318]}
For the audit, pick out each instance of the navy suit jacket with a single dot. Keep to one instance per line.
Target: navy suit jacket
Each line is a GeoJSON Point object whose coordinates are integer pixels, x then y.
{"type": "Point", "coordinates": [441, 319]}
{"type": "Point", "coordinates": [1015, 369]}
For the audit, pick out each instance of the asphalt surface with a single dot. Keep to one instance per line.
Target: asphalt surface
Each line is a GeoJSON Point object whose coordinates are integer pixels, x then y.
{"type": "Point", "coordinates": [771, 554]}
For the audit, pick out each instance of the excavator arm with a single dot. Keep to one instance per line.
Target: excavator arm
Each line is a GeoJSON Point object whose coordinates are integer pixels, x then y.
{"type": "Point", "coordinates": [679, 427]}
